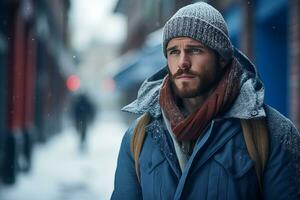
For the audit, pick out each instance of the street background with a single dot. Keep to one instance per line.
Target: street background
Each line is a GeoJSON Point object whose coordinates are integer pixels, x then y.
{"type": "Point", "coordinates": [67, 67]}
{"type": "Point", "coordinates": [62, 172]}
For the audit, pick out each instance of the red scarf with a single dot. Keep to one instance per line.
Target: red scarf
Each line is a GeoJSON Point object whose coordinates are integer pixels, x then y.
{"type": "Point", "coordinates": [189, 128]}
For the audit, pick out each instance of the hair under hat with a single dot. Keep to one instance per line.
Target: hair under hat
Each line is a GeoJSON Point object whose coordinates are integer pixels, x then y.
{"type": "Point", "coordinates": [200, 21]}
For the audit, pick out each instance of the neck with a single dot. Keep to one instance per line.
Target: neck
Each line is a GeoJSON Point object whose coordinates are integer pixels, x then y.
{"type": "Point", "coordinates": [192, 104]}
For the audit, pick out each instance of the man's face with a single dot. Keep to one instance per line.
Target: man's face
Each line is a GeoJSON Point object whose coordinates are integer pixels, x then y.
{"type": "Point", "coordinates": [193, 68]}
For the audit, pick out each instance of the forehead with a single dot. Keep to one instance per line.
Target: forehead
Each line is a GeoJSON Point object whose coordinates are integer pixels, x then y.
{"type": "Point", "coordinates": [183, 41]}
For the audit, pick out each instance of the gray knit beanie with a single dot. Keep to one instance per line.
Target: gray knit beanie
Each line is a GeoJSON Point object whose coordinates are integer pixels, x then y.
{"type": "Point", "coordinates": [202, 22]}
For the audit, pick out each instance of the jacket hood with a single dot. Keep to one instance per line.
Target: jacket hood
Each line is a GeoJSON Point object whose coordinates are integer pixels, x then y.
{"type": "Point", "coordinates": [248, 104]}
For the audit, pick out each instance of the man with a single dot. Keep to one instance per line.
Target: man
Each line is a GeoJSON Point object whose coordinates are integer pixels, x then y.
{"type": "Point", "coordinates": [194, 145]}
{"type": "Point", "coordinates": [83, 113]}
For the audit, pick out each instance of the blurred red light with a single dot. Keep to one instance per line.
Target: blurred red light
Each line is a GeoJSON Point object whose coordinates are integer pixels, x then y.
{"type": "Point", "coordinates": [109, 84]}
{"type": "Point", "coordinates": [73, 83]}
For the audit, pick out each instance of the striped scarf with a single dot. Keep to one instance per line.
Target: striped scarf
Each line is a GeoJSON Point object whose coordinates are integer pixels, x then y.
{"type": "Point", "coordinates": [189, 128]}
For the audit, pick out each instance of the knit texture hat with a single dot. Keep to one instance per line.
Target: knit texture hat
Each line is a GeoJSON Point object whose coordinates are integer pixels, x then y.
{"type": "Point", "coordinates": [199, 21]}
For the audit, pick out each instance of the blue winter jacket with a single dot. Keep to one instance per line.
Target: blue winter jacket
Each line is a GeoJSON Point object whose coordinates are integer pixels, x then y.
{"type": "Point", "coordinates": [220, 167]}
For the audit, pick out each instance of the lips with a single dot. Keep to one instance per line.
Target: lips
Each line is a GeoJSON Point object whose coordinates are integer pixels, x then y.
{"type": "Point", "coordinates": [185, 76]}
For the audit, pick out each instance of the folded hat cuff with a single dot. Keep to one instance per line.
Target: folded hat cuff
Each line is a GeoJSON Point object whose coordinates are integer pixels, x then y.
{"type": "Point", "coordinates": [200, 30]}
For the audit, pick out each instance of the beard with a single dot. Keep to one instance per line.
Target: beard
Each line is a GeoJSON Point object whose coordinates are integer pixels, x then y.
{"type": "Point", "coordinates": [204, 83]}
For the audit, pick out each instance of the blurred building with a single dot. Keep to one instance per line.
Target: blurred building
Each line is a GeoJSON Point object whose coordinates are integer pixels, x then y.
{"type": "Point", "coordinates": [141, 50]}
{"type": "Point", "coordinates": [144, 17]}
{"type": "Point", "coordinates": [267, 31]}
{"type": "Point", "coordinates": [35, 62]}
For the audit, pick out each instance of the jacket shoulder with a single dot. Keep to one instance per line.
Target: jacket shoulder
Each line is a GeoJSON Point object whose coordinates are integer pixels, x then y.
{"type": "Point", "coordinates": [279, 125]}
{"type": "Point", "coordinates": [284, 134]}
{"type": "Point", "coordinates": [126, 185]}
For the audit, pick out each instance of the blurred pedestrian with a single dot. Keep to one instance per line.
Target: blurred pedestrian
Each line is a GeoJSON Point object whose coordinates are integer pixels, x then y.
{"type": "Point", "coordinates": [83, 113]}
{"type": "Point", "coordinates": [205, 131]}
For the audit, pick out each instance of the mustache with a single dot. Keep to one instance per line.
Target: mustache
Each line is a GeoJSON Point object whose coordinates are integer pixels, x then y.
{"type": "Point", "coordinates": [183, 71]}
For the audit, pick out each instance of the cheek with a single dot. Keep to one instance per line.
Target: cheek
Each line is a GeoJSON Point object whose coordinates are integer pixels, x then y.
{"type": "Point", "coordinates": [172, 66]}
{"type": "Point", "coordinates": [204, 66]}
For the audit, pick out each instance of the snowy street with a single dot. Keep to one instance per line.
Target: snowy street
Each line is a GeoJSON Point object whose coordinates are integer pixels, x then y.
{"type": "Point", "coordinates": [61, 172]}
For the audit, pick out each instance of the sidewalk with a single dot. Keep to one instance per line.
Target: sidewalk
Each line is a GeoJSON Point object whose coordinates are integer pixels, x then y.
{"type": "Point", "coordinates": [61, 172]}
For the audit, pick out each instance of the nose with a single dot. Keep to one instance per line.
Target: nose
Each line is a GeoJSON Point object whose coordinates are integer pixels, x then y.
{"type": "Point", "coordinates": [184, 62]}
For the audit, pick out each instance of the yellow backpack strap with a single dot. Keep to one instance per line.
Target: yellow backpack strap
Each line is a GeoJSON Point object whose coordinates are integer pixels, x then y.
{"type": "Point", "coordinates": [137, 140]}
{"type": "Point", "coordinates": [256, 138]}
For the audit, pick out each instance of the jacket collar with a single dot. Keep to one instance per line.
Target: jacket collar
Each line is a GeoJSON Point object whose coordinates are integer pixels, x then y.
{"type": "Point", "coordinates": [249, 103]}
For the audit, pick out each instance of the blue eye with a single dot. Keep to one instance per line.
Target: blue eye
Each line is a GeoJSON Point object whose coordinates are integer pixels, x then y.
{"type": "Point", "coordinates": [174, 52]}
{"type": "Point", "coordinates": [195, 50]}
